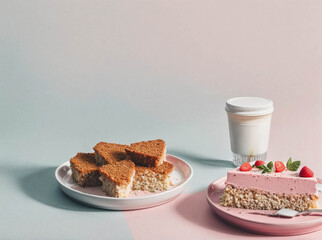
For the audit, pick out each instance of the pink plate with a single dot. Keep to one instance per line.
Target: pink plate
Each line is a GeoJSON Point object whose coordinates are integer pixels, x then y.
{"type": "Point", "coordinates": [260, 221]}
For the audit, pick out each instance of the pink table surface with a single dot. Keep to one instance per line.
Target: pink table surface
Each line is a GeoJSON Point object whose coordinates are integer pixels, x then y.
{"type": "Point", "coordinates": [189, 217]}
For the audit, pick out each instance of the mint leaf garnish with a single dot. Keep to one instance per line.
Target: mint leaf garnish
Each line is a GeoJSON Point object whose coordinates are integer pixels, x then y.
{"type": "Point", "coordinates": [268, 168]}
{"type": "Point", "coordinates": [262, 167]}
{"type": "Point", "coordinates": [270, 165]}
{"type": "Point", "coordinates": [292, 166]}
{"type": "Point", "coordinates": [296, 164]}
{"type": "Point", "coordinates": [289, 163]}
{"type": "Point", "coordinates": [253, 165]}
{"type": "Point", "coordinates": [265, 171]}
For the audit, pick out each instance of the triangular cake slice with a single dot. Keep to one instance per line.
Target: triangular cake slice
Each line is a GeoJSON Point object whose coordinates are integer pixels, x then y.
{"type": "Point", "coordinates": [84, 170]}
{"type": "Point", "coordinates": [153, 178]}
{"type": "Point", "coordinates": [147, 153]}
{"type": "Point", "coordinates": [109, 153]}
{"type": "Point", "coordinates": [117, 178]}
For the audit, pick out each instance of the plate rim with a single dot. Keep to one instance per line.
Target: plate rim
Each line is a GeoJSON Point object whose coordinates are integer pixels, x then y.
{"type": "Point", "coordinates": [251, 221]}
{"type": "Point", "coordinates": [125, 199]}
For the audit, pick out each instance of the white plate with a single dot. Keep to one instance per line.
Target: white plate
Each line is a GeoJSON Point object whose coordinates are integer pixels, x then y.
{"type": "Point", "coordinates": [94, 196]}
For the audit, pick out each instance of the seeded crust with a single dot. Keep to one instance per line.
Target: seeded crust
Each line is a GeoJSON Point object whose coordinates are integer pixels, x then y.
{"type": "Point", "coordinates": [147, 153]}
{"type": "Point", "coordinates": [109, 153]}
{"type": "Point", "coordinates": [84, 170]}
{"type": "Point", "coordinates": [119, 172]}
{"type": "Point", "coordinates": [256, 199]}
{"type": "Point", "coordinates": [153, 179]}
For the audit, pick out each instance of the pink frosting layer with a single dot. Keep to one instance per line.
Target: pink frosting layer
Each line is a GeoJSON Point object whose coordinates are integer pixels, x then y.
{"type": "Point", "coordinates": [287, 181]}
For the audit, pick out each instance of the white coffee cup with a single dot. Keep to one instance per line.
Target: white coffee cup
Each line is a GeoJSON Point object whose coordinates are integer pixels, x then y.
{"type": "Point", "coordinates": [249, 127]}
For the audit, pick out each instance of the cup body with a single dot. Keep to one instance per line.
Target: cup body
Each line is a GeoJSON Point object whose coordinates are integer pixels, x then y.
{"type": "Point", "coordinates": [249, 136]}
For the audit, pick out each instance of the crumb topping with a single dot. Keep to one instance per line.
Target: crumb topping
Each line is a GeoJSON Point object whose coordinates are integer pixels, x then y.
{"type": "Point", "coordinates": [119, 172]}
{"type": "Point", "coordinates": [84, 162]}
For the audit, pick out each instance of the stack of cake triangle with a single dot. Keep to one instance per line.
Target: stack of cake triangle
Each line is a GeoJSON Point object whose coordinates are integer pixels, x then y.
{"type": "Point", "coordinates": [120, 169]}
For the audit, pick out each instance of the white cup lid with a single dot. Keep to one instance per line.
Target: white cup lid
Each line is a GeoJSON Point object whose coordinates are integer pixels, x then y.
{"type": "Point", "coordinates": [249, 106]}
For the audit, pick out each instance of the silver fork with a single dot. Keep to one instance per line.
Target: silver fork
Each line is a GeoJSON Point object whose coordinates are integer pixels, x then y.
{"type": "Point", "coordinates": [284, 212]}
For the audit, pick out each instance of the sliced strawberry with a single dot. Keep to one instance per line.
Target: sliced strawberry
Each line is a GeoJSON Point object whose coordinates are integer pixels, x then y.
{"type": "Point", "coordinates": [306, 172]}
{"type": "Point", "coordinates": [245, 167]}
{"type": "Point", "coordinates": [258, 163]}
{"type": "Point", "coordinates": [279, 166]}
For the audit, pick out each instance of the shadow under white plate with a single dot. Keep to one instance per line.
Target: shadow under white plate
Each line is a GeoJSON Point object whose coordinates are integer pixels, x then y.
{"type": "Point", "coordinates": [261, 221]}
{"type": "Point", "coordinates": [94, 196]}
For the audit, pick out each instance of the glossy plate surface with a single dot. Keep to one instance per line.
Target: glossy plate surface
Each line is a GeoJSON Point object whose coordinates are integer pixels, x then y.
{"type": "Point", "coordinates": [260, 221]}
{"type": "Point", "coordinates": [94, 196]}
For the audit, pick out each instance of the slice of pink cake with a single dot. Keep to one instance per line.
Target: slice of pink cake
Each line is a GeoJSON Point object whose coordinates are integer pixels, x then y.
{"type": "Point", "coordinates": [273, 190]}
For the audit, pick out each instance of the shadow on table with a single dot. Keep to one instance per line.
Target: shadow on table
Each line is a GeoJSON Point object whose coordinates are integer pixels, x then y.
{"type": "Point", "coordinates": [202, 160]}
{"type": "Point", "coordinates": [195, 209]}
{"type": "Point", "coordinates": [41, 185]}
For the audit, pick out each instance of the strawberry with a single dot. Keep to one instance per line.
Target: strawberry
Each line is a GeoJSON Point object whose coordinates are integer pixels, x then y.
{"type": "Point", "coordinates": [279, 166]}
{"type": "Point", "coordinates": [306, 172]}
{"type": "Point", "coordinates": [245, 167]}
{"type": "Point", "coordinates": [258, 163]}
